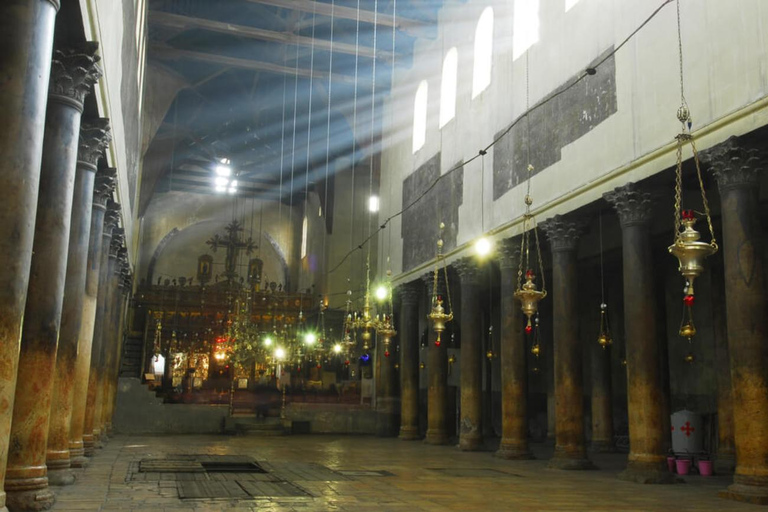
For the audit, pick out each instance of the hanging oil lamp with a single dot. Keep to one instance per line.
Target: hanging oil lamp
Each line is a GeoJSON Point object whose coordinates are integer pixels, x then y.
{"type": "Point", "coordinates": [438, 316]}
{"type": "Point", "coordinates": [604, 338]}
{"type": "Point", "coordinates": [527, 293]}
{"type": "Point", "coordinates": [688, 247]}
{"type": "Point", "coordinates": [535, 345]}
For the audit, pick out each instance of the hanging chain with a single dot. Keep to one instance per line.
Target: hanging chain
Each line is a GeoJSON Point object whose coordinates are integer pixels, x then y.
{"type": "Point", "coordinates": [683, 103]}
{"type": "Point", "coordinates": [602, 272]}
{"type": "Point", "coordinates": [703, 194]}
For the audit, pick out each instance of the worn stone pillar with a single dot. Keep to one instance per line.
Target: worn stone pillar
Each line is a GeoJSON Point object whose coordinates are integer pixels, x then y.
{"type": "Point", "coordinates": [26, 39]}
{"type": "Point", "coordinates": [602, 404]}
{"type": "Point", "coordinates": [409, 361]}
{"type": "Point", "coordinates": [737, 168]}
{"type": "Point", "coordinates": [725, 462]}
{"type": "Point", "coordinates": [470, 424]}
{"type": "Point", "coordinates": [107, 341]}
{"type": "Point", "coordinates": [647, 458]}
{"type": "Point", "coordinates": [387, 405]}
{"type": "Point", "coordinates": [72, 74]}
{"type": "Point", "coordinates": [514, 376]}
{"type": "Point", "coordinates": [91, 432]}
{"type": "Point", "coordinates": [93, 138]}
{"type": "Point", "coordinates": [570, 449]}
{"type": "Point", "coordinates": [437, 368]}
{"type": "Point", "coordinates": [85, 335]}
{"type": "Point", "coordinates": [114, 351]}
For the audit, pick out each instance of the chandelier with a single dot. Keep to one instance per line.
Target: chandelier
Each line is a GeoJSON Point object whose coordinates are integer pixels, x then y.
{"type": "Point", "coordinates": [688, 247]}
{"type": "Point", "coordinates": [438, 316]}
{"type": "Point", "coordinates": [366, 323]}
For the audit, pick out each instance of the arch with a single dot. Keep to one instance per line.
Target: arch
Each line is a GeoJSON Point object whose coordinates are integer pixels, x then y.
{"type": "Point", "coordinates": [481, 73]}
{"type": "Point", "coordinates": [448, 86]}
{"type": "Point", "coordinates": [525, 27]}
{"type": "Point", "coordinates": [420, 116]}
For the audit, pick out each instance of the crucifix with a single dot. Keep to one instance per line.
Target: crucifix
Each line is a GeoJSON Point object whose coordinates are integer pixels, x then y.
{"type": "Point", "coordinates": [233, 243]}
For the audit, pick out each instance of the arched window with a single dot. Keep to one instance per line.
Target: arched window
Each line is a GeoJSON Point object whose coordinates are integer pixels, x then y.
{"type": "Point", "coordinates": [304, 230]}
{"type": "Point", "coordinates": [525, 28]}
{"type": "Point", "coordinates": [448, 86]}
{"type": "Point", "coordinates": [481, 77]}
{"type": "Point", "coordinates": [420, 116]}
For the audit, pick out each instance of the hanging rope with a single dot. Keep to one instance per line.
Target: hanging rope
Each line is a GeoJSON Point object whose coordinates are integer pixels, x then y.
{"type": "Point", "coordinates": [328, 132]}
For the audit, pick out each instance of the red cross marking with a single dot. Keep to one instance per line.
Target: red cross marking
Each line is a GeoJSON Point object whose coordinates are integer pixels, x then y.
{"type": "Point", "coordinates": [687, 428]}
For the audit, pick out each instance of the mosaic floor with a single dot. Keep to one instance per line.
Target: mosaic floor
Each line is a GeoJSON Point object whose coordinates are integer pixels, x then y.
{"type": "Point", "coordinates": [326, 473]}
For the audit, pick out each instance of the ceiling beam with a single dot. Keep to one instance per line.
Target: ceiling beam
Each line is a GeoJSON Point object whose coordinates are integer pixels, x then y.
{"type": "Point", "coordinates": [180, 22]}
{"type": "Point", "coordinates": [162, 51]}
{"type": "Point", "coordinates": [340, 11]}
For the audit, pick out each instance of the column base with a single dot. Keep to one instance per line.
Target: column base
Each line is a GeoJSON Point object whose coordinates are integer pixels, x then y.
{"type": "Point", "coordinates": [409, 434]}
{"type": "Point", "coordinates": [79, 461]}
{"type": "Point", "coordinates": [602, 446]}
{"type": "Point", "coordinates": [470, 442]}
{"type": "Point", "coordinates": [61, 477]}
{"type": "Point", "coordinates": [746, 493]}
{"type": "Point", "coordinates": [513, 452]}
{"type": "Point", "coordinates": [725, 464]}
{"type": "Point", "coordinates": [647, 473]}
{"type": "Point", "coordinates": [386, 424]}
{"type": "Point", "coordinates": [33, 499]}
{"type": "Point", "coordinates": [88, 446]}
{"type": "Point", "coordinates": [436, 437]}
{"type": "Point", "coordinates": [573, 461]}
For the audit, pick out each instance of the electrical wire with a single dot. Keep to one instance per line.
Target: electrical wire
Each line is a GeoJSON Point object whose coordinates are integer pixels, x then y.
{"type": "Point", "coordinates": [544, 101]}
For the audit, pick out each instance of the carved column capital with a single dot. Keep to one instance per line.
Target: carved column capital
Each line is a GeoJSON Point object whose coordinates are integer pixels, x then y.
{"type": "Point", "coordinates": [467, 269]}
{"type": "Point", "coordinates": [95, 136]}
{"type": "Point", "coordinates": [103, 187]}
{"type": "Point", "coordinates": [632, 204]}
{"type": "Point", "coordinates": [116, 245]}
{"type": "Point", "coordinates": [409, 293]}
{"type": "Point", "coordinates": [73, 71]}
{"type": "Point", "coordinates": [734, 164]}
{"type": "Point", "coordinates": [112, 217]}
{"type": "Point", "coordinates": [563, 233]}
{"type": "Point", "coordinates": [508, 253]}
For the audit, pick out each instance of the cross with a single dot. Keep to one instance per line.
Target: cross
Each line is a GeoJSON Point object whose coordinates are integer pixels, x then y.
{"type": "Point", "coordinates": [234, 243]}
{"type": "Point", "coordinates": [687, 428]}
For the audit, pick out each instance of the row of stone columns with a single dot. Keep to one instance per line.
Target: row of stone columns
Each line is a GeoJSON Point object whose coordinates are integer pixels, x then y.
{"type": "Point", "coordinates": [51, 229]}
{"type": "Point", "coordinates": [743, 395]}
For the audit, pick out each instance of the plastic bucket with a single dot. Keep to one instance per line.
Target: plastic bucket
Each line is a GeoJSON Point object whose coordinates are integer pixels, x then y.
{"type": "Point", "coordinates": [705, 467]}
{"type": "Point", "coordinates": [683, 466]}
{"type": "Point", "coordinates": [671, 464]}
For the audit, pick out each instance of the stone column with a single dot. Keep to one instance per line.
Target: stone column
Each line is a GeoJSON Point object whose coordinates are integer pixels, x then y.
{"type": "Point", "coordinates": [72, 74]}
{"type": "Point", "coordinates": [409, 361]}
{"type": "Point", "coordinates": [386, 402]}
{"type": "Point", "coordinates": [115, 350]}
{"type": "Point", "coordinates": [85, 335]}
{"type": "Point", "coordinates": [437, 368]}
{"type": "Point", "coordinates": [93, 138]}
{"type": "Point", "coordinates": [737, 168]}
{"type": "Point", "coordinates": [647, 458]}
{"type": "Point", "coordinates": [26, 39]}
{"type": "Point", "coordinates": [514, 377]}
{"type": "Point", "coordinates": [602, 399]}
{"type": "Point", "coordinates": [91, 432]}
{"type": "Point", "coordinates": [570, 450]}
{"type": "Point", "coordinates": [470, 429]}
{"type": "Point", "coordinates": [725, 463]}
{"type": "Point", "coordinates": [107, 341]}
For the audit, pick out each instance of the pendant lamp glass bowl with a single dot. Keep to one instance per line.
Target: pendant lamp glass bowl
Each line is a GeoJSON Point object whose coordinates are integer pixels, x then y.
{"type": "Point", "coordinates": [690, 251]}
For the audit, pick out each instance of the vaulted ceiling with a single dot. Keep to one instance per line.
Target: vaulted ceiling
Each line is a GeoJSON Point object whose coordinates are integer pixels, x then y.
{"type": "Point", "coordinates": [273, 85]}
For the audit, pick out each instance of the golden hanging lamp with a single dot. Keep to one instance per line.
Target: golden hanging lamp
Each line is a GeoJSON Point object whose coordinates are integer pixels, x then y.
{"type": "Point", "coordinates": [604, 339]}
{"type": "Point", "coordinates": [527, 293]}
{"type": "Point", "coordinates": [438, 317]}
{"type": "Point", "coordinates": [687, 247]}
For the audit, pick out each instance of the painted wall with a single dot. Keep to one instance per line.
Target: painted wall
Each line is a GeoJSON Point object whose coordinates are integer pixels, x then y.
{"type": "Point", "coordinates": [581, 149]}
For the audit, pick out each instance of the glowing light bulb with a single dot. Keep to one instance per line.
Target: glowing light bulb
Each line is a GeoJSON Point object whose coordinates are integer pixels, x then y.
{"type": "Point", "coordinates": [382, 293]}
{"type": "Point", "coordinates": [224, 170]}
{"type": "Point", "coordinates": [483, 246]}
{"type": "Point", "coordinates": [267, 342]}
{"type": "Point", "coordinates": [373, 204]}
{"type": "Point", "coordinates": [279, 353]}
{"type": "Point", "coordinates": [310, 338]}
{"type": "Point", "coordinates": [337, 348]}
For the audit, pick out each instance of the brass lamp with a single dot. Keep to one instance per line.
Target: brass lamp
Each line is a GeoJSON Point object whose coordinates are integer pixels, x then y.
{"type": "Point", "coordinates": [690, 251]}
{"type": "Point", "coordinates": [438, 316]}
{"type": "Point", "coordinates": [529, 298]}
{"type": "Point", "coordinates": [604, 338]}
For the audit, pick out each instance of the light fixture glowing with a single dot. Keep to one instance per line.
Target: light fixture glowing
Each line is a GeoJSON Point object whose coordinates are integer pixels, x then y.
{"type": "Point", "coordinates": [232, 190]}
{"type": "Point", "coordinates": [224, 171]}
{"type": "Point", "coordinates": [310, 338]}
{"type": "Point", "coordinates": [483, 246]}
{"type": "Point", "coordinates": [279, 353]}
{"type": "Point", "coordinates": [337, 348]}
{"type": "Point", "coordinates": [382, 293]}
{"type": "Point", "coordinates": [373, 204]}
{"type": "Point", "coordinates": [221, 181]}
{"type": "Point", "coordinates": [221, 189]}
{"type": "Point", "coordinates": [158, 365]}
{"type": "Point", "coordinates": [220, 356]}
{"type": "Point", "coordinates": [267, 342]}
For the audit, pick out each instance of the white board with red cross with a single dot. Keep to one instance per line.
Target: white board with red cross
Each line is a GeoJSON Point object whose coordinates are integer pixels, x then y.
{"type": "Point", "coordinates": [687, 432]}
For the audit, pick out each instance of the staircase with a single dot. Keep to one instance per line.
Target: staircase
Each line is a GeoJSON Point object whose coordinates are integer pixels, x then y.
{"type": "Point", "coordinates": [130, 363]}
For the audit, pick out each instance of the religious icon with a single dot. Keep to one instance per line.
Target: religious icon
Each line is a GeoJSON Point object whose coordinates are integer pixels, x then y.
{"type": "Point", "coordinates": [204, 268]}
{"type": "Point", "coordinates": [255, 267]}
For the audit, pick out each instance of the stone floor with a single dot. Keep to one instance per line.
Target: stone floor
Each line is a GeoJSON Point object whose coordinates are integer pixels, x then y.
{"type": "Point", "coordinates": [416, 477]}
